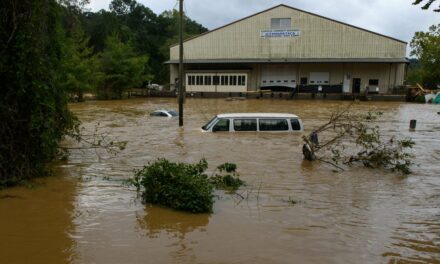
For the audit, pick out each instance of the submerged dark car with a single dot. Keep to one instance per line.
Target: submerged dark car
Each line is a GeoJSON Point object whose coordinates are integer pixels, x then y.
{"type": "Point", "coordinates": [164, 113]}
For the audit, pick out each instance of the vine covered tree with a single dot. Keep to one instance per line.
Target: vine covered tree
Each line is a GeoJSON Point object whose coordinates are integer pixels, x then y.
{"type": "Point", "coordinates": [33, 107]}
{"type": "Point", "coordinates": [426, 4]}
{"type": "Point", "coordinates": [50, 49]}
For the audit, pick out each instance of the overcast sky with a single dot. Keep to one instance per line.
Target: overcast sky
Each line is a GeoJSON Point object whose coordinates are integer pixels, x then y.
{"type": "Point", "coordinates": [395, 18]}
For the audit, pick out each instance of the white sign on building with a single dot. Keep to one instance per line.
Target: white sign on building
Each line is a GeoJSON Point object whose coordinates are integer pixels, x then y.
{"type": "Point", "coordinates": [280, 33]}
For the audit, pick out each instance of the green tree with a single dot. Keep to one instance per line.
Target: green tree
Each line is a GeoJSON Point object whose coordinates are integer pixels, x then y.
{"type": "Point", "coordinates": [81, 69]}
{"type": "Point", "coordinates": [426, 4]}
{"type": "Point", "coordinates": [122, 7]}
{"type": "Point", "coordinates": [122, 68]}
{"type": "Point", "coordinates": [426, 47]}
{"type": "Point", "coordinates": [33, 109]}
{"type": "Point", "coordinates": [149, 34]}
{"type": "Point", "coordinates": [169, 20]}
{"type": "Point", "coordinates": [98, 26]}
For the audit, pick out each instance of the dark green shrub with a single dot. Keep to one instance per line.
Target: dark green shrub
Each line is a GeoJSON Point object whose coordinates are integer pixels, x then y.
{"type": "Point", "coordinates": [177, 185]}
{"type": "Point", "coordinates": [230, 182]}
{"type": "Point", "coordinates": [228, 167]}
{"type": "Point", "coordinates": [420, 99]}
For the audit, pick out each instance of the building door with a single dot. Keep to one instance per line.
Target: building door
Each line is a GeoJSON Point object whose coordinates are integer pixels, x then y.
{"type": "Point", "coordinates": [304, 81]}
{"type": "Point", "coordinates": [356, 85]}
{"type": "Point", "coordinates": [346, 84]}
{"type": "Point", "coordinates": [278, 77]}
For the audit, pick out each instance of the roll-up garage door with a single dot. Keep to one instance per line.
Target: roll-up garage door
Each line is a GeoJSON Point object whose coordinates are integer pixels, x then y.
{"type": "Point", "coordinates": [278, 76]}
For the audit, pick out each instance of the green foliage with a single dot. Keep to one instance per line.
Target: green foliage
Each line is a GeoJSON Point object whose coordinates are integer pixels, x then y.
{"type": "Point", "coordinates": [376, 152]}
{"type": "Point", "coordinates": [420, 99]}
{"type": "Point", "coordinates": [136, 25]}
{"type": "Point", "coordinates": [33, 108]}
{"type": "Point", "coordinates": [426, 4]}
{"type": "Point", "coordinates": [122, 68]}
{"type": "Point", "coordinates": [229, 181]}
{"type": "Point", "coordinates": [176, 185]}
{"type": "Point", "coordinates": [355, 138]}
{"type": "Point", "coordinates": [426, 47]}
{"type": "Point", "coordinates": [81, 69]}
{"type": "Point", "coordinates": [415, 75]}
{"type": "Point", "coordinates": [227, 167]}
{"type": "Point", "coordinates": [184, 186]}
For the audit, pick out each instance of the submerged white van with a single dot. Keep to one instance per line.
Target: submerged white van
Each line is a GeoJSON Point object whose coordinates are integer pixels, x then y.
{"type": "Point", "coordinates": [254, 122]}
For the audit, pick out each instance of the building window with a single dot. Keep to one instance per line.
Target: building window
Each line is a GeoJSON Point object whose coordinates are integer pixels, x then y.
{"type": "Point", "coordinates": [207, 80]}
{"type": "Point", "coordinates": [280, 23]}
{"type": "Point", "coordinates": [373, 82]}
{"type": "Point", "coordinates": [191, 80]}
{"type": "Point", "coordinates": [215, 80]}
{"type": "Point", "coordinates": [199, 80]}
{"type": "Point", "coordinates": [233, 80]}
{"type": "Point", "coordinates": [223, 80]}
{"type": "Point", "coordinates": [242, 80]}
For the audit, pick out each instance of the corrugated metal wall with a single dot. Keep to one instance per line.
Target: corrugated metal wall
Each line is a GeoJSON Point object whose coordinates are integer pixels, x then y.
{"type": "Point", "coordinates": [320, 38]}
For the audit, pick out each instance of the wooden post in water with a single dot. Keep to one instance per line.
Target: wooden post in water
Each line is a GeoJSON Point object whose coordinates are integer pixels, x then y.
{"type": "Point", "coordinates": [412, 124]}
{"type": "Point", "coordinates": [181, 88]}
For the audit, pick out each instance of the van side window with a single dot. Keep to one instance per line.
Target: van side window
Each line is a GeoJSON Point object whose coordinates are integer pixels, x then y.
{"type": "Point", "coordinates": [273, 125]}
{"type": "Point", "coordinates": [245, 124]}
{"type": "Point", "coordinates": [222, 125]}
{"type": "Point", "coordinates": [295, 124]}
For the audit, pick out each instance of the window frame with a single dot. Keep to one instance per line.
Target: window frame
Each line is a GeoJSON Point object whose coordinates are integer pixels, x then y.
{"type": "Point", "coordinates": [228, 126]}
{"type": "Point", "coordinates": [281, 23]}
{"type": "Point", "coordinates": [286, 123]}
{"type": "Point", "coordinates": [208, 80]}
{"type": "Point", "coordinates": [297, 124]}
{"type": "Point", "coordinates": [245, 119]}
{"type": "Point", "coordinates": [373, 82]}
{"type": "Point", "coordinates": [241, 80]}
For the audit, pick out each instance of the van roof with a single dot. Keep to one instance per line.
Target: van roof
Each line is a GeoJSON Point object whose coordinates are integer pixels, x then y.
{"type": "Point", "coordinates": [258, 115]}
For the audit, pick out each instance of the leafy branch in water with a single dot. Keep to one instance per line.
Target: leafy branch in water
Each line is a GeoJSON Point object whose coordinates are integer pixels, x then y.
{"type": "Point", "coordinates": [351, 137]}
{"type": "Point", "coordinates": [93, 140]}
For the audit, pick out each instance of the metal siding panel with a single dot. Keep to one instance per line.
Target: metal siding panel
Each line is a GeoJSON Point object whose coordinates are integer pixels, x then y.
{"type": "Point", "coordinates": [320, 38]}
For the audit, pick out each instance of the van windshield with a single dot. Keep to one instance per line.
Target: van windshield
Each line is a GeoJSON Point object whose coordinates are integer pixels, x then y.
{"type": "Point", "coordinates": [209, 124]}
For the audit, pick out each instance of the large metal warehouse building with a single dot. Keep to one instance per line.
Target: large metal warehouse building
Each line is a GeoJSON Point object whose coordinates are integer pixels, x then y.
{"type": "Point", "coordinates": [287, 48]}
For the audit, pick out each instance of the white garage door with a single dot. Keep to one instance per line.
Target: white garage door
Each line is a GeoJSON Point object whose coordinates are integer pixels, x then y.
{"type": "Point", "coordinates": [278, 75]}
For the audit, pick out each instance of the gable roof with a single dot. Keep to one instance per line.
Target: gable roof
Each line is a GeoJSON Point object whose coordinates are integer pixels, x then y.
{"type": "Point", "coordinates": [283, 5]}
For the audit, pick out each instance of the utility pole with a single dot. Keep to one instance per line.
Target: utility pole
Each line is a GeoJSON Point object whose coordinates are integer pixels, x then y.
{"type": "Point", "coordinates": [181, 88]}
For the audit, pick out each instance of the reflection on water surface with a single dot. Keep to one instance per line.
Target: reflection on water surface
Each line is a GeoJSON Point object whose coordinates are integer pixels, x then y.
{"type": "Point", "coordinates": [357, 216]}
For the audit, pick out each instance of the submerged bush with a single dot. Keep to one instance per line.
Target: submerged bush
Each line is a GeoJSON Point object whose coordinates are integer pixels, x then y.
{"type": "Point", "coordinates": [177, 185]}
{"type": "Point", "coordinates": [229, 181]}
{"type": "Point", "coordinates": [184, 186]}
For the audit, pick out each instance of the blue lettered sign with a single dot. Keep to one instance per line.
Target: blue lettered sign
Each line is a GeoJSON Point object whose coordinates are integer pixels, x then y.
{"type": "Point", "coordinates": [280, 33]}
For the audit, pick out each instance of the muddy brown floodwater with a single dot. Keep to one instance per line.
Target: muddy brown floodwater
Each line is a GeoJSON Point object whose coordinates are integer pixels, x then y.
{"type": "Point", "coordinates": [86, 215]}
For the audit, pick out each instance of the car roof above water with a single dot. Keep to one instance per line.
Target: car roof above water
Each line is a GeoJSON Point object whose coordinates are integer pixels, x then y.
{"type": "Point", "coordinates": [257, 115]}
